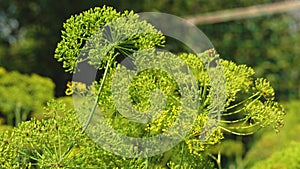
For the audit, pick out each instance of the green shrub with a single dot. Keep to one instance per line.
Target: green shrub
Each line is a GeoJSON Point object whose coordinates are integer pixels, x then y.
{"type": "Point", "coordinates": [287, 158]}
{"type": "Point", "coordinates": [22, 95]}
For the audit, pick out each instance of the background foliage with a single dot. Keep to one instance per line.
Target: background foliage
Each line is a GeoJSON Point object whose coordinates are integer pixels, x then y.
{"type": "Point", "coordinates": [31, 29]}
{"type": "Point", "coordinates": [22, 96]}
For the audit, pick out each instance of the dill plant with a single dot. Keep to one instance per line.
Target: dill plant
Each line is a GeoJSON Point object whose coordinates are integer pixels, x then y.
{"type": "Point", "coordinates": [60, 140]}
{"type": "Point", "coordinates": [23, 96]}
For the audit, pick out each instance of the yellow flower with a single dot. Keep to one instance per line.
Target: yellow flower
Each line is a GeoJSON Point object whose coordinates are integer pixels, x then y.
{"type": "Point", "coordinates": [69, 91]}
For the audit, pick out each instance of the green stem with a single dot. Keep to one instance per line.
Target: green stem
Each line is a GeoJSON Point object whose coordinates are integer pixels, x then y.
{"type": "Point", "coordinates": [97, 98]}
{"type": "Point", "coordinates": [25, 114]}
{"type": "Point", "coordinates": [10, 118]}
{"type": "Point", "coordinates": [237, 111]}
{"type": "Point", "coordinates": [241, 102]}
{"type": "Point", "coordinates": [234, 121]}
{"type": "Point", "coordinates": [147, 163]}
{"type": "Point", "coordinates": [181, 156]}
{"type": "Point", "coordinates": [18, 114]}
{"type": "Point", "coordinates": [219, 157]}
{"type": "Point", "coordinates": [232, 113]}
{"type": "Point", "coordinates": [243, 127]}
{"type": "Point", "coordinates": [167, 155]}
{"type": "Point", "coordinates": [203, 96]}
{"type": "Point", "coordinates": [238, 133]}
{"type": "Point", "coordinates": [94, 106]}
{"type": "Point", "coordinates": [214, 158]}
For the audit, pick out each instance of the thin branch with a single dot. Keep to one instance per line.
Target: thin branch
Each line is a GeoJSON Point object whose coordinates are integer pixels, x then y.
{"type": "Point", "coordinates": [243, 13]}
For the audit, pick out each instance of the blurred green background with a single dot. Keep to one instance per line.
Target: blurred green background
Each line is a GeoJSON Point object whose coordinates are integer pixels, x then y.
{"type": "Point", "coordinates": [30, 31]}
